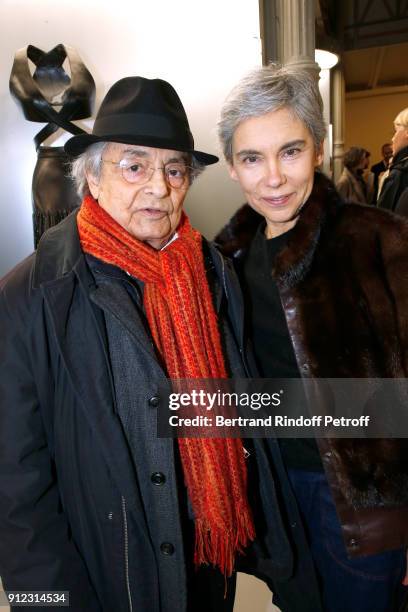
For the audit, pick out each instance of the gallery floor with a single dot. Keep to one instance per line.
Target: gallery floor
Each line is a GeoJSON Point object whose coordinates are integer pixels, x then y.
{"type": "Point", "coordinates": [252, 594]}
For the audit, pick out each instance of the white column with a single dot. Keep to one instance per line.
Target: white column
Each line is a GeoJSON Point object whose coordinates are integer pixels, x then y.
{"type": "Point", "coordinates": [324, 87]}
{"type": "Point", "coordinates": [338, 110]}
{"type": "Point", "coordinates": [297, 25]}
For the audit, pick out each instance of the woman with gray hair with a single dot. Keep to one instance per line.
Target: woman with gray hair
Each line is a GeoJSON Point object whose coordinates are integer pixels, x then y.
{"type": "Point", "coordinates": [325, 300]}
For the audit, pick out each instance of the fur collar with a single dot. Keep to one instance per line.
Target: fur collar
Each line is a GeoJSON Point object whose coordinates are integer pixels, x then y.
{"type": "Point", "coordinates": [295, 258]}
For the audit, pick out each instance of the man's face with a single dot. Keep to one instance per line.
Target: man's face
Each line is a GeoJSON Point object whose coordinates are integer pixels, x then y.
{"type": "Point", "coordinates": [149, 211]}
{"type": "Point", "coordinates": [400, 138]}
{"type": "Point", "coordinates": [387, 152]}
{"type": "Point", "coordinates": [274, 159]}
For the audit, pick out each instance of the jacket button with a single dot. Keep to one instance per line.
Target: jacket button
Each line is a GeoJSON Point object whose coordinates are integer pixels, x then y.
{"type": "Point", "coordinates": [353, 542]}
{"type": "Point", "coordinates": [154, 401]}
{"type": "Point", "coordinates": [158, 478]}
{"type": "Point", "coordinates": [167, 548]}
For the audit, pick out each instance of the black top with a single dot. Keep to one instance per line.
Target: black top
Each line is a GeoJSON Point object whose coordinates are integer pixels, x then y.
{"type": "Point", "coordinates": [378, 168]}
{"type": "Point", "coordinates": [268, 328]}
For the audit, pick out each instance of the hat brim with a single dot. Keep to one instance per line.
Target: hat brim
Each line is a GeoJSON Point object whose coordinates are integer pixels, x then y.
{"type": "Point", "coordinates": [78, 144]}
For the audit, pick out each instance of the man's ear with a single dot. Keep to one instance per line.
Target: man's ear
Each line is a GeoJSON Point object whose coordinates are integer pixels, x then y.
{"type": "Point", "coordinates": [93, 184]}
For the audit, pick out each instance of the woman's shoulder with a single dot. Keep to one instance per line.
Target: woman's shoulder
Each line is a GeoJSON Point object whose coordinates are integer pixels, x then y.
{"type": "Point", "coordinates": [366, 222]}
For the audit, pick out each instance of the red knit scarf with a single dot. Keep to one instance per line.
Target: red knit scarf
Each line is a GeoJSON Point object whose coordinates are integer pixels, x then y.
{"type": "Point", "coordinates": [184, 327]}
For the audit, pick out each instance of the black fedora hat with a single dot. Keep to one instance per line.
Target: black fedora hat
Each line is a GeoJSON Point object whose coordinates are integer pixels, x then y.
{"type": "Point", "coordinates": [141, 111]}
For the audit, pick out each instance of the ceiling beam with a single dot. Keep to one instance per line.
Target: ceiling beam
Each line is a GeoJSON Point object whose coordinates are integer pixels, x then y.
{"type": "Point", "coordinates": [366, 9]}
{"type": "Point", "coordinates": [378, 91]}
{"type": "Point", "coordinates": [376, 70]}
{"type": "Point", "coordinates": [390, 10]}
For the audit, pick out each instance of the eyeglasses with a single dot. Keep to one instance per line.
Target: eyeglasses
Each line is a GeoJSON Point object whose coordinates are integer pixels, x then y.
{"type": "Point", "coordinates": [136, 171]}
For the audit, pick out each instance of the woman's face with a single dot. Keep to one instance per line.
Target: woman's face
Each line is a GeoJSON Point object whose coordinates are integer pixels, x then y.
{"type": "Point", "coordinates": [273, 159]}
{"type": "Point", "coordinates": [400, 138]}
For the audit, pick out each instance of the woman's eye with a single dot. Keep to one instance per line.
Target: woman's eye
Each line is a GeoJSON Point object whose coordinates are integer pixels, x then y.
{"type": "Point", "coordinates": [250, 159]}
{"type": "Point", "coordinates": [291, 152]}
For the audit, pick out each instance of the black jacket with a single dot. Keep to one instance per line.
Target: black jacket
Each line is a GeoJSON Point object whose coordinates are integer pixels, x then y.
{"type": "Point", "coordinates": [72, 516]}
{"type": "Point", "coordinates": [394, 193]}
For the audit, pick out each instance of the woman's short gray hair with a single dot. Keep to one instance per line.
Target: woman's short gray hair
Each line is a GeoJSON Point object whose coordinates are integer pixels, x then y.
{"type": "Point", "coordinates": [90, 161]}
{"type": "Point", "coordinates": [269, 89]}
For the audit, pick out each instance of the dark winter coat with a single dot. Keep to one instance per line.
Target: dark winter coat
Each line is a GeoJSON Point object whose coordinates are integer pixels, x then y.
{"type": "Point", "coordinates": [352, 187]}
{"type": "Point", "coordinates": [394, 192]}
{"type": "Point", "coordinates": [73, 515]}
{"type": "Point", "coordinates": [343, 282]}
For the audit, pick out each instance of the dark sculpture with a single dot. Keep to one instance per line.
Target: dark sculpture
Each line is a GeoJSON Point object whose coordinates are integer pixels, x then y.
{"type": "Point", "coordinates": [52, 96]}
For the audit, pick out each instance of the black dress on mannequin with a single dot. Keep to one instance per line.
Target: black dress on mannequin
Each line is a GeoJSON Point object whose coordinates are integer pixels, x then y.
{"type": "Point", "coordinates": [52, 96]}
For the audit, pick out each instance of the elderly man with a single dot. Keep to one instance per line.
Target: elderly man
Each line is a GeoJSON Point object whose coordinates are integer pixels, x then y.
{"type": "Point", "coordinates": [115, 300]}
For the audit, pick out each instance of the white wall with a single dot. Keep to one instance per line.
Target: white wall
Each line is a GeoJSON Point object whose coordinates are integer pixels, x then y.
{"type": "Point", "coordinates": [201, 48]}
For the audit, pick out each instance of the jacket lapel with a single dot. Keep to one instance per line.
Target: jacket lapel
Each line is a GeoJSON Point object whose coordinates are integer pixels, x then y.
{"type": "Point", "coordinates": [78, 329]}
{"type": "Point", "coordinates": [113, 297]}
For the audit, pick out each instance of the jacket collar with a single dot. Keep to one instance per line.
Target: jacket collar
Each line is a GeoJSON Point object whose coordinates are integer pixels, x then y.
{"type": "Point", "coordinates": [294, 260]}
{"type": "Point", "coordinates": [400, 157]}
{"type": "Point", "coordinates": [58, 252]}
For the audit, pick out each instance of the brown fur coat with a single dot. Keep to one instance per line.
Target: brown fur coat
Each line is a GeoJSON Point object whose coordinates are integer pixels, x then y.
{"type": "Point", "coordinates": [343, 281]}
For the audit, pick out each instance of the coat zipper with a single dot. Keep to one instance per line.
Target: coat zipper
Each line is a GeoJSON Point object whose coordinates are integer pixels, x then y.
{"type": "Point", "coordinates": [125, 533]}
{"type": "Point", "coordinates": [240, 340]}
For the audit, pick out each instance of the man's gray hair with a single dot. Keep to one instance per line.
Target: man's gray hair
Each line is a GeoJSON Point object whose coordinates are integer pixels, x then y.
{"type": "Point", "coordinates": [90, 161]}
{"type": "Point", "coordinates": [269, 89]}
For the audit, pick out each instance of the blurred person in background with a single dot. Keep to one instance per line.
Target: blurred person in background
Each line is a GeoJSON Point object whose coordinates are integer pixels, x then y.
{"type": "Point", "coordinates": [355, 183]}
{"type": "Point", "coordinates": [394, 191]}
{"type": "Point", "coordinates": [381, 166]}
